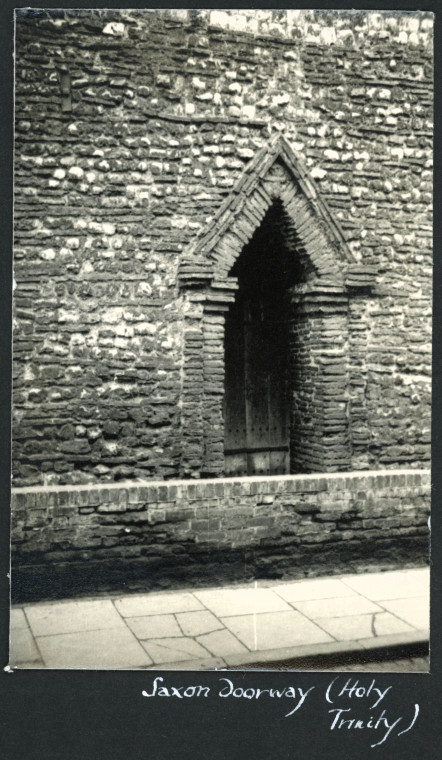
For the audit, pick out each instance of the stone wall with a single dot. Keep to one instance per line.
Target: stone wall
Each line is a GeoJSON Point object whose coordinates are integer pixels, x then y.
{"type": "Point", "coordinates": [74, 539]}
{"type": "Point", "coordinates": [132, 131]}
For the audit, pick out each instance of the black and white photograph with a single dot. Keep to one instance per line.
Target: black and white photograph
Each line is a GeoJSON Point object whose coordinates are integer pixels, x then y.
{"type": "Point", "coordinates": [222, 340]}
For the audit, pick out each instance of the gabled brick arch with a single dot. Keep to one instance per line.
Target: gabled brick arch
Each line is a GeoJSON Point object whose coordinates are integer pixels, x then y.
{"type": "Point", "coordinates": [320, 413]}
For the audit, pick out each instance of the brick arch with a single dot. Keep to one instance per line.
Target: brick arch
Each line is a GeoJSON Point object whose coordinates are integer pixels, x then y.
{"type": "Point", "coordinates": [274, 173]}
{"type": "Point", "coordinates": [320, 413]}
{"type": "Point", "coordinates": [308, 235]}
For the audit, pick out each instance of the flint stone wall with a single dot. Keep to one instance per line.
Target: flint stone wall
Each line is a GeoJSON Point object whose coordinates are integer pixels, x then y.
{"type": "Point", "coordinates": [132, 128]}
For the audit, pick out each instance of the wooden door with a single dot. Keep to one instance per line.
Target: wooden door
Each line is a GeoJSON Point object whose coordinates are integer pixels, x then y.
{"type": "Point", "coordinates": [256, 408]}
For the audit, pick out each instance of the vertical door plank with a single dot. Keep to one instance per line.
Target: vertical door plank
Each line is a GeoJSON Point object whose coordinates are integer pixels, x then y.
{"type": "Point", "coordinates": [257, 384]}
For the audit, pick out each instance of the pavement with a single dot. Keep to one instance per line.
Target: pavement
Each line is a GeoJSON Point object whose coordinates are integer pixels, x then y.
{"type": "Point", "coordinates": [226, 627]}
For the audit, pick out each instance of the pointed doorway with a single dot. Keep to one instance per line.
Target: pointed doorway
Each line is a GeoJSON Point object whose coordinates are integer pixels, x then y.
{"type": "Point", "coordinates": [267, 362]}
{"type": "Point", "coordinates": [257, 364]}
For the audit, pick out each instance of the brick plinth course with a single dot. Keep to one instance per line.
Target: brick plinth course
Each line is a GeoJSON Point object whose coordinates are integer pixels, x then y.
{"type": "Point", "coordinates": [71, 539]}
{"type": "Point", "coordinates": [149, 147]}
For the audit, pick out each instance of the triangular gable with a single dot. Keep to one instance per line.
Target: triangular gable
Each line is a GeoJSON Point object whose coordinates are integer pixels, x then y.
{"type": "Point", "coordinates": [276, 172]}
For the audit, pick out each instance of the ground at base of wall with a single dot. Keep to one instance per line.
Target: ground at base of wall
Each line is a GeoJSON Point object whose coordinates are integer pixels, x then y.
{"type": "Point", "coordinates": [46, 582]}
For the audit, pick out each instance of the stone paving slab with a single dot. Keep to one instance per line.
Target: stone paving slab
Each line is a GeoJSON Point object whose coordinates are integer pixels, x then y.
{"type": "Point", "coordinates": [281, 654]}
{"type": "Point", "coordinates": [354, 627]}
{"type": "Point", "coordinates": [222, 643]}
{"type": "Point", "coordinates": [349, 648]}
{"type": "Point", "coordinates": [208, 663]}
{"type": "Point", "coordinates": [113, 648]}
{"type": "Point", "coordinates": [18, 619]}
{"type": "Point", "coordinates": [198, 623]}
{"type": "Point", "coordinates": [232, 601]}
{"type": "Point", "coordinates": [224, 627]}
{"type": "Point", "coordinates": [174, 649]}
{"type": "Point", "coordinates": [386, 624]}
{"type": "Point", "coordinates": [260, 632]}
{"type": "Point", "coordinates": [323, 588]}
{"type": "Point", "coordinates": [414, 636]}
{"type": "Point", "coordinates": [414, 611]}
{"type": "Point", "coordinates": [337, 607]}
{"type": "Point", "coordinates": [23, 647]}
{"type": "Point", "coordinates": [154, 627]}
{"type": "Point", "coordinates": [72, 617]}
{"type": "Point", "coordinates": [35, 664]}
{"type": "Point", "coordinates": [379, 586]}
{"type": "Point", "coordinates": [139, 605]}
